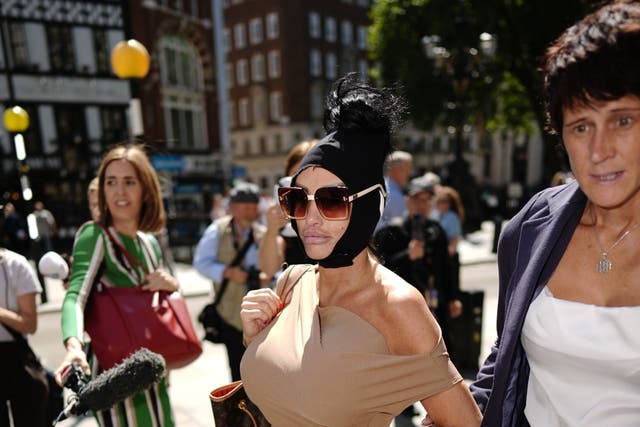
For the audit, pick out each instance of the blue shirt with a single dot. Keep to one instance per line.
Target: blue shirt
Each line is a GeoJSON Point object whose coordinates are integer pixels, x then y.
{"type": "Point", "coordinates": [205, 259]}
{"type": "Point", "coordinates": [396, 205]}
{"type": "Point", "coordinates": [450, 222]}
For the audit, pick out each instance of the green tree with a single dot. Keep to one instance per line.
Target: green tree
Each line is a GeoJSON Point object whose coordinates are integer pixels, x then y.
{"type": "Point", "coordinates": [509, 100]}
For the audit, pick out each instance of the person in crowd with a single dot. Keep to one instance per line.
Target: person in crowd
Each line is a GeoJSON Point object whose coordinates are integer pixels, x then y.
{"type": "Point", "coordinates": [43, 242]}
{"type": "Point", "coordinates": [280, 245]}
{"type": "Point", "coordinates": [130, 205]}
{"type": "Point", "coordinates": [217, 248]}
{"type": "Point", "coordinates": [399, 165]}
{"type": "Point", "coordinates": [92, 199]}
{"type": "Point", "coordinates": [347, 341]}
{"type": "Point", "coordinates": [569, 301]}
{"type": "Point", "coordinates": [15, 230]}
{"type": "Point", "coordinates": [450, 214]}
{"type": "Point", "coordinates": [25, 390]}
{"type": "Point", "coordinates": [415, 248]}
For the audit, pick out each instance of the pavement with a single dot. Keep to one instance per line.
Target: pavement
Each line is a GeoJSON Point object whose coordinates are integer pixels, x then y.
{"type": "Point", "coordinates": [190, 386]}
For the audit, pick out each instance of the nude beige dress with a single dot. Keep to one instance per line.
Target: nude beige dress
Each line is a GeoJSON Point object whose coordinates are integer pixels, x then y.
{"type": "Point", "coordinates": [326, 366]}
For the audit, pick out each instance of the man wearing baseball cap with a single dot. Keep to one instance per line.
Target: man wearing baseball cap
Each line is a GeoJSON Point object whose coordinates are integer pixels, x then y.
{"type": "Point", "coordinates": [217, 248]}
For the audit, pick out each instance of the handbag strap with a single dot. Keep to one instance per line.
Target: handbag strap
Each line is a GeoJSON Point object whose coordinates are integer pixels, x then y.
{"type": "Point", "coordinates": [132, 260]}
{"type": "Point", "coordinates": [237, 259]}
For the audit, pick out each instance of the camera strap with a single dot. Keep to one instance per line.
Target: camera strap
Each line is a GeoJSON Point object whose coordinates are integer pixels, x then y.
{"type": "Point", "coordinates": [237, 260]}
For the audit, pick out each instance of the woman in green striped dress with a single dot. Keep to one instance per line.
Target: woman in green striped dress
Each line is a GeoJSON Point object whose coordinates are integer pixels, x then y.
{"type": "Point", "coordinates": [131, 207]}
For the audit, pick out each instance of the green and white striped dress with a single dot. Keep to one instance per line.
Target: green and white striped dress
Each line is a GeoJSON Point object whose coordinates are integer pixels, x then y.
{"type": "Point", "coordinates": [150, 408]}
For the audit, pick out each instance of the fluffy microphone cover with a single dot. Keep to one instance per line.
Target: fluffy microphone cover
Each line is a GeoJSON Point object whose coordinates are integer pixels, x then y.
{"type": "Point", "coordinates": [53, 265]}
{"type": "Point", "coordinates": [136, 373]}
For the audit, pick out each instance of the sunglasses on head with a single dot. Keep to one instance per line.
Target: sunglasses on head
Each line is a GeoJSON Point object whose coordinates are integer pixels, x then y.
{"type": "Point", "coordinates": [333, 203]}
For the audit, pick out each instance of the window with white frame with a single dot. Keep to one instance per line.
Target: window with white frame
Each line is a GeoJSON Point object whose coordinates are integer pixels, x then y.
{"type": "Point", "coordinates": [242, 72]}
{"type": "Point", "coordinates": [362, 37]}
{"type": "Point", "coordinates": [363, 68]}
{"type": "Point", "coordinates": [331, 69]}
{"type": "Point", "coordinates": [330, 29]}
{"type": "Point", "coordinates": [240, 36]}
{"type": "Point", "coordinates": [243, 112]}
{"type": "Point", "coordinates": [226, 40]}
{"type": "Point", "coordinates": [275, 106]}
{"type": "Point", "coordinates": [257, 67]}
{"type": "Point", "coordinates": [314, 25]}
{"type": "Point", "coordinates": [315, 63]}
{"type": "Point", "coordinates": [346, 32]}
{"type": "Point", "coordinates": [231, 114]}
{"type": "Point", "coordinates": [182, 95]}
{"type": "Point", "coordinates": [273, 64]}
{"type": "Point", "coordinates": [317, 100]}
{"type": "Point", "coordinates": [255, 31]}
{"type": "Point", "coordinates": [273, 26]}
{"type": "Point", "coordinates": [228, 68]}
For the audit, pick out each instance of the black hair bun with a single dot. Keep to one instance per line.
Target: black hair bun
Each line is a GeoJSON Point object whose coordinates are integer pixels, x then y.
{"type": "Point", "coordinates": [355, 106]}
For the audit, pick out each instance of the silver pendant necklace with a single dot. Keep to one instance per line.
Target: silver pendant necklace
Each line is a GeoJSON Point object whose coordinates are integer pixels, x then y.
{"type": "Point", "coordinates": [604, 264]}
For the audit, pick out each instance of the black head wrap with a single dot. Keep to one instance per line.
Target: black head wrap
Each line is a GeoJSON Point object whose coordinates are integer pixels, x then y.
{"type": "Point", "coordinates": [359, 120]}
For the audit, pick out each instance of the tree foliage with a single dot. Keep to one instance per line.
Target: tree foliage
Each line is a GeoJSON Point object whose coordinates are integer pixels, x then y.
{"type": "Point", "coordinates": [524, 28]}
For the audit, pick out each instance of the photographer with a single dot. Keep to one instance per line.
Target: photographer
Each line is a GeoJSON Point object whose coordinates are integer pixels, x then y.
{"type": "Point", "coordinates": [217, 247]}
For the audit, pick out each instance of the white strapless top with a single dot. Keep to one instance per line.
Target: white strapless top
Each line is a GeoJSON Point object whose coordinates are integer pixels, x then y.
{"type": "Point", "coordinates": [585, 364]}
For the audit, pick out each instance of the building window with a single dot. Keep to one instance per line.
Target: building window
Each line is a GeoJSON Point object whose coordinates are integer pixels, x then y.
{"type": "Point", "coordinates": [259, 107]}
{"type": "Point", "coordinates": [243, 112]}
{"type": "Point", "coordinates": [255, 31]}
{"type": "Point", "coordinates": [61, 48]}
{"type": "Point", "coordinates": [240, 36]}
{"type": "Point", "coordinates": [18, 40]}
{"type": "Point", "coordinates": [317, 100]}
{"type": "Point", "coordinates": [275, 106]}
{"type": "Point", "coordinates": [228, 69]}
{"type": "Point", "coordinates": [231, 114]}
{"type": "Point", "coordinates": [314, 25]}
{"type": "Point", "coordinates": [315, 63]}
{"type": "Point", "coordinates": [242, 72]}
{"type": "Point", "coordinates": [226, 40]}
{"type": "Point", "coordinates": [273, 61]}
{"type": "Point", "coordinates": [346, 33]}
{"type": "Point", "coordinates": [330, 29]}
{"type": "Point", "coordinates": [362, 38]}
{"type": "Point", "coordinates": [363, 68]}
{"type": "Point", "coordinates": [101, 48]}
{"type": "Point", "coordinates": [182, 96]}
{"type": "Point", "coordinates": [273, 26]}
{"type": "Point", "coordinates": [257, 68]}
{"type": "Point", "coordinates": [331, 70]}
{"type": "Point", "coordinates": [114, 124]}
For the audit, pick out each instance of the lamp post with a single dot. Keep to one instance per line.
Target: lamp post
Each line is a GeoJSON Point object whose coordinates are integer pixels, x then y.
{"type": "Point", "coordinates": [461, 64]}
{"type": "Point", "coordinates": [129, 60]}
{"type": "Point", "coordinates": [16, 121]}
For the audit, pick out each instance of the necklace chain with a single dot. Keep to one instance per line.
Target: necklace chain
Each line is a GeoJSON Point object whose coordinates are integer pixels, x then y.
{"type": "Point", "coordinates": [604, 264]}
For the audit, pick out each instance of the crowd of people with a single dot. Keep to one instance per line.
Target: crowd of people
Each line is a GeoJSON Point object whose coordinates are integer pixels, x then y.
{"type": "Point", "coordinates": [354, 272]}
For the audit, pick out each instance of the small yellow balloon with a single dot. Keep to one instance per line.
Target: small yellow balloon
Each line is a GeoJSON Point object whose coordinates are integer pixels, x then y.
{"type": "Point", "coordinates": [16, 119]}
{"type": "Point", "coordinates": [130, 59]}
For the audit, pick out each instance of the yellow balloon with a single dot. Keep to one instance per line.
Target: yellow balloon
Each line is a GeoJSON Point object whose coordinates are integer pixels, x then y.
{"type": "Point", "coordinates": [16, 119]}
{"type": "Point", "coordinates": [130, 59]}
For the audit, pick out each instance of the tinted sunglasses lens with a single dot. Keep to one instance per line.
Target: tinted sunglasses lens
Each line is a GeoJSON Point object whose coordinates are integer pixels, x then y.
{"type": "Point", "coordinates": [332, 202]}
{"type": "Point", "coordinates": [293, 202]}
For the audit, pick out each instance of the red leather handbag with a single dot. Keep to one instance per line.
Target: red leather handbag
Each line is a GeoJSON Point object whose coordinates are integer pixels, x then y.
{"type": "Point", "coordinates": [121, 320]}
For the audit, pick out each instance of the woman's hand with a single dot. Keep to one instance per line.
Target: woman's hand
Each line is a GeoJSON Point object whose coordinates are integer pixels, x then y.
{"type": "Point", "coordinates": [258, 308]}
{"type": "Point", "coordinates": [275, 218]}
{"type": "Point", "coordinates": [74, 354]}
{"type": "Point", "coordinates": [160, 280]}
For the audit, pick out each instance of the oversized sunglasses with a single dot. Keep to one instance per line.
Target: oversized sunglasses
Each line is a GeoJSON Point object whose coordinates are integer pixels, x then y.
{"type": "Point", "coordinates": [334, 203]}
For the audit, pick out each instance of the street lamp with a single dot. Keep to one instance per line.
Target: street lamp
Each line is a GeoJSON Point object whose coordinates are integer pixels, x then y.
{"type": "Point", "coordinates": [461, 64]}
{"type": "Point", "coordinates": [130, 59]}
{"type": "Point", "coordinates": [16, 121]}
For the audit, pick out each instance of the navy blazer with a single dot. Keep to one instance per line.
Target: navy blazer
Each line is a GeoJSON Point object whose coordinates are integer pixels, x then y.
{"type": "Point", "coordinates": [530, 248]}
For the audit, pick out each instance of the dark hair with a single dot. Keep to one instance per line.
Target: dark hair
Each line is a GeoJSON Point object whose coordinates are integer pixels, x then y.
{"type": "Point", "coordinates": [152, 216]}
{"type": "Point", "coordinates": [355, 106]}
{"type": "Point", "coordinates": [594, 60]}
